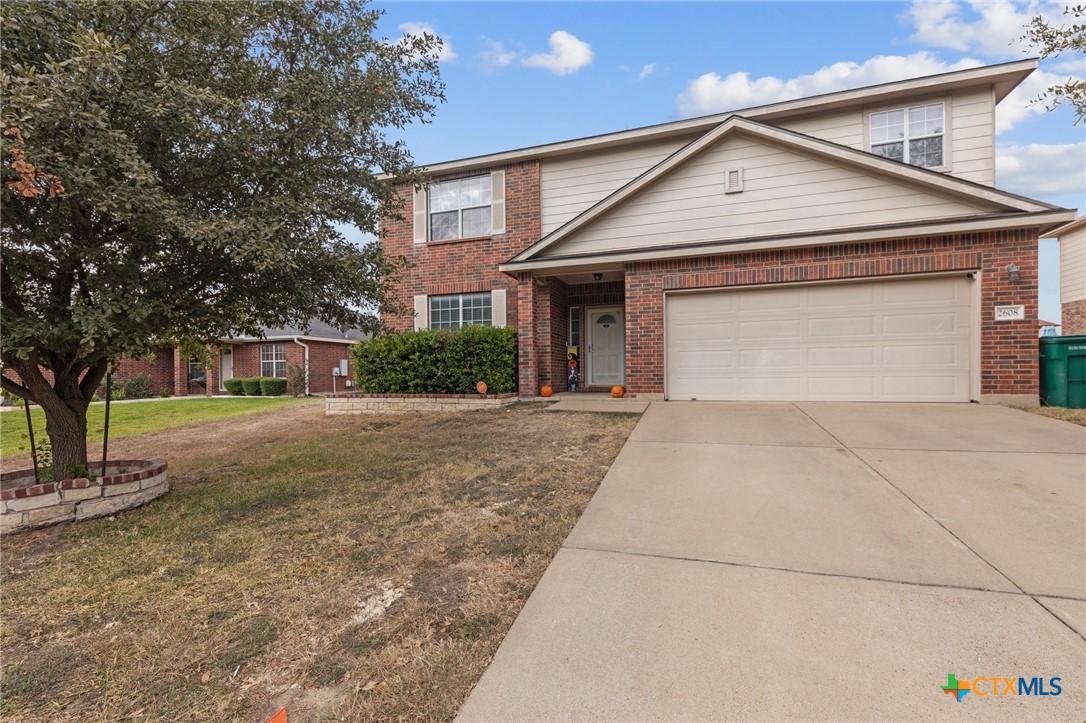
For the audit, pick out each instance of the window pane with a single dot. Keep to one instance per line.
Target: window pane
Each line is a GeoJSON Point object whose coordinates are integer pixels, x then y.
{"type": "Point", "coordinates": [444, 196]}
{"type": "Point", "coordinates": [893, 151]}
{"type": "Point", "coordinates": [926, 120]}
{"type": "Point", "coordinates": [476, 222]}
{"type": "Point", "coordinates": [444, 312]}
{"type": "Point", "coordinates": [575, 326]}
{"type": "Point", "coordinates": [477, 309]}
{"type": "Point", "coordinates": [475, 192]}
{"type": "Point", "coordinates": [444, 226]}
{"type": "Point", "coordinates": [926, 152]}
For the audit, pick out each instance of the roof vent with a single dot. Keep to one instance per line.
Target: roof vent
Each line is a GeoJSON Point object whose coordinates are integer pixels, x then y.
{"type": "Point", "coordinates": [733, 179]}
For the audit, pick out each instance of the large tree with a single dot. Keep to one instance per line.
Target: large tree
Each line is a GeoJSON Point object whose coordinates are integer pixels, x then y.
{"type": "Point", "coordinates": [174, 172]}
{"type": "Point", "coordinates": [1053, 40]}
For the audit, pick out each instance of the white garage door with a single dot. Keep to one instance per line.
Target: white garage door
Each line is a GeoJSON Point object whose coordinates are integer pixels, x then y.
{"type": "Point", "coordinates": [906, 340]}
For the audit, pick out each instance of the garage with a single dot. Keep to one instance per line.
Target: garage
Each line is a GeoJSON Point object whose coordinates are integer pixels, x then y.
{"type": "Point", "coordinates": [905, 340]}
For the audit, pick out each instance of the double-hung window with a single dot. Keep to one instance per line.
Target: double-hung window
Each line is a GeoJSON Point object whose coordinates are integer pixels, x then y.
{"type": "Point", "coordinates": [453, 311]}
{"type": "Point", "coordinates": [914, 135]}
{"type": "Point", "coordinates": [273, 360]}
{"type": "Point", "coordinates": [460, 208]}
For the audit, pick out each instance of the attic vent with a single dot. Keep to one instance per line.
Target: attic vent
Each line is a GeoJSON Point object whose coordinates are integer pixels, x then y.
{"type": "Point", "coordinates": [733, 179]}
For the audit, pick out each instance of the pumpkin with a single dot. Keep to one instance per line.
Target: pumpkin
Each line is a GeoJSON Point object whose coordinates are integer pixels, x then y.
{"type": "Point", "coordinates": [546, 392]}
{"type": "Point", "coordinates": [618, 391]}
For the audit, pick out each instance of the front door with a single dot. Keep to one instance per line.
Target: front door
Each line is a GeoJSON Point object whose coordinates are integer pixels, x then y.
{"type": "Point", "coordinates": [606, 347]}
{"type": "Point", "coordinates": [226, 367]}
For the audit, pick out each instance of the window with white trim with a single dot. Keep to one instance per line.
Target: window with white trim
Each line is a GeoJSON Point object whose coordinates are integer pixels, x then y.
{"type": "Point", "coordinates": [460, 208]}
{"type": "Point", "coordinates": [575, 326]}
{"type": "Point", "coordinates": [273, 360]}
{"type": "Point", "coordinates": [453, 311]}
{"type": "Point", "coordinates": [914, 135]}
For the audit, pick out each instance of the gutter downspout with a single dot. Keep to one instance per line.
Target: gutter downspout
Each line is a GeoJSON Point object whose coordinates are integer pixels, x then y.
{"type": "Point", "coordinates": [299, 342]}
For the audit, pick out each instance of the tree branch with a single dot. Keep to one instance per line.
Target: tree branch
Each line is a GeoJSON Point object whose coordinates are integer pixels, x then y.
{"type": "Point", "coordinates": [10, 385]}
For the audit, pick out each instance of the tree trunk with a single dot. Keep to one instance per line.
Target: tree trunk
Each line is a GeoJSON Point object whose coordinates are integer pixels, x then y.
{"type": "Point", "coordinates": [66, 426]}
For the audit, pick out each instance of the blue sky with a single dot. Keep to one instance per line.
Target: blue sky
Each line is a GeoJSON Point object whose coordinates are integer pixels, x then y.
{"type": "Point", "coordinates": [520, 74]}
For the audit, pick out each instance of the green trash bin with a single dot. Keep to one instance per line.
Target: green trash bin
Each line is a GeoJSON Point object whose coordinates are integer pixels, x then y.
{"type": "Point", "coordinates": [1063, 371]}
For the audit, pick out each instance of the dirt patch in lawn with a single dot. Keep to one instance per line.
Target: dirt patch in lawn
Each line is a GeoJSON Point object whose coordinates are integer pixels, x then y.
{"type": "Point", "coordinates": [1075, 416]}
{"type": "Point", "coordinates": [345, 567]}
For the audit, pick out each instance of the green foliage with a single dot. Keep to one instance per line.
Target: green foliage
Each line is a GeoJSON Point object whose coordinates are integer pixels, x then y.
{"type": "Point", "coordinates": [297, 380]}
{"type": "Point", "coordinates": [1051, 40]}
{"type": "Point", "coordinates": [176, 172]}
{"type": "Point", "coordinates": [438, 361]}
{"type": "Point", "coordinates": [44, 453]}
{"type": "Point", "coordinates": [272, 387]}
{"type": "Point", "coordinates": [234, 386]}
{"type": "Point", "coordinates": [251, 386]}
{"type": "Point", "coordinates": [165, 393]}
{"type": "Point", "coordinates": [138, 387]}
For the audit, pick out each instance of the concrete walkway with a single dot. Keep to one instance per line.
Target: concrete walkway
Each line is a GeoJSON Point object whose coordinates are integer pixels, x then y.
{"type": "Point", "coordinates": [588, 402]}
{"type": "Point", "coordinates": [811, 561]}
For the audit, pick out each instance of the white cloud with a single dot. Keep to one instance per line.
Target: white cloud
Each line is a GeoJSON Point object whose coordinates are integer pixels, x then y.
{"type": "Point", "coordinates": [496, 55]}
{"type": "Point", "coordinates": [992, 28]}
{"type": "Point", "coordinates": [710, 93]}
{"type": "Point", "coordinates": [568, 54]}
{"type": "Point", "coordinates": [1020, 104]}
{"type": "Point", "coordinates": [445, 52]}
{"type": "Point", "coordinates": [1038, 170]}
{"type": "Point", "coordinates": [646, 70]}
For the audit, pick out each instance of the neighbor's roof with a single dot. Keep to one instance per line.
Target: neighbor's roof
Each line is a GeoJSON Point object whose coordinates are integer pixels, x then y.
{"type": "Point", "coordinates": [1067, 228]}
{"type": "Point", "coordinates": [317, 330]}
{"type": "Point", "coordinates": [1004, 77]}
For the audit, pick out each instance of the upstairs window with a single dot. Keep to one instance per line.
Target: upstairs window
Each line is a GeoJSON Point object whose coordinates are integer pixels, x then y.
{"type": "Point", "coordinates": [460, 208]}
{"type": "Point", "coordinates": [273, 360]}
{"type": "Point", "coordinates": [913, 135]}
{"type": "Point", "coordinates": [456, 310]}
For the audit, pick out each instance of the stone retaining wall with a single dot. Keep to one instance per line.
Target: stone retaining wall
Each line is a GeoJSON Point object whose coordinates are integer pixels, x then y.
{"type": "Point", "coordinates": [357, 403]}
{"type": "Point", "coordinates": [129, 483]}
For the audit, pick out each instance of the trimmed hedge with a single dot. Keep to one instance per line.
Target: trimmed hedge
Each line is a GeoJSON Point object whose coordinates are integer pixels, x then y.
{"type": "Point", "coordinates": [251, 385]}
{"type": "Point", "coordinates": [234, 386]}
{"type": "Point", "coordinates": [273, 386]}
{"type": "Point", "coordinates": [438, 361]}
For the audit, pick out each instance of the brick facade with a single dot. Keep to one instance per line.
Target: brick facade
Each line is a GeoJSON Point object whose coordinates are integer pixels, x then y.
{"type": "Point", "coordinates": [1074, 318]}
{"type": "Point", "coordinates": [465, 265]}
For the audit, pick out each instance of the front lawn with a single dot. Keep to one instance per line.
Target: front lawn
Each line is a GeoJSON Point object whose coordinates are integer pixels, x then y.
{"type": "Point", "coordinates": [131, 418]}
{"type": "Point", "coordinates": [349, 568]}
{"type": "Point", "coordinates": [1075, 416]}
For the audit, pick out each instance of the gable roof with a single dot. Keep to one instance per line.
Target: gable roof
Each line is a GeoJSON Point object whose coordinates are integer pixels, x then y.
{"type": "Point", "coordinates": [1003, 77]}
{"type": "Point", "coordinates": [975, 194]}
{"type": "Point", "coordinates": [317, 330]}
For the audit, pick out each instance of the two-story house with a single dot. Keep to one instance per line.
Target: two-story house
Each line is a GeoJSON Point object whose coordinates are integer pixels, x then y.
{"type": "Point", "coordinates": [848, 246]}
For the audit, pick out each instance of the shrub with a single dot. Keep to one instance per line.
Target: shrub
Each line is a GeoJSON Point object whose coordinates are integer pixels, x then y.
{"type": "Point", "coordinates": [296, 380]}
{"type": "Point", "coordinates": [438, 361]}
{"type": "Point", "coordinates": [235, 386]}
{"type": "Point", "coordinates": [138, 387]}
{"type": "Point", "coordinates": [165, 392]}
{"type": "Point", "coordinates": [251, 385]}
{"type": "Point", "coordinates": [273, 386]}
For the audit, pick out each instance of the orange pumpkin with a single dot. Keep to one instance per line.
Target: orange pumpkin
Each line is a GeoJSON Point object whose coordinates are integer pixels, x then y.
{"type": "Point", "coordinates": [618, 391]}
{"type": "Point", "coordinates": [546, 392]}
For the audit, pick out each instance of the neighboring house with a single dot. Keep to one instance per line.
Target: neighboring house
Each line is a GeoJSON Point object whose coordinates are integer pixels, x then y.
{"type": "Point", "coordinates": [320, 349]}
{"type": "Point", "coordinates": [849, 246]}
{"type": "Point", "coordinates": [1072, 239]}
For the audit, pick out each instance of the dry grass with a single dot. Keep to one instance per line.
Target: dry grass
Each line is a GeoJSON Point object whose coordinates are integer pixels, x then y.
{"type": "Point", "coordinates": [348, 568]}
{"type": "Point", "coordinates": [1075, 416]}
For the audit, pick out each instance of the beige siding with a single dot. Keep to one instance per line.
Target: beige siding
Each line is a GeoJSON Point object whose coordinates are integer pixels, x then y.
{"type": "Point", "coordinates": [1073, 266]}
{"type": "Point", "coordinates": [972, 136]}
{"type": "Point", "coordinates": [845, 128]}
{"type": "Point", "coordinates": [784, 192]}
{"type": "Point", "coordinates": [570, 185]}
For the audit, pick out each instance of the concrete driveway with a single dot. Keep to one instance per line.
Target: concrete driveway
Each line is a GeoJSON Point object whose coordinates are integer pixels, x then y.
{"type": "Point", "coordinates": [812, 561]}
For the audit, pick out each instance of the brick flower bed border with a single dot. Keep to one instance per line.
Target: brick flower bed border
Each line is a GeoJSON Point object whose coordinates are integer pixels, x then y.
{"type": "Point", "coordinates": [359, 403]}
{"type": "Point", "coordinates": [131, 483]}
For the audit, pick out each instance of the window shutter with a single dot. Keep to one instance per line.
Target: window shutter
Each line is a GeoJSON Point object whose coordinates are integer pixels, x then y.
{"type": "Point", "coordinates": [421, 216]}
{"type": "Point", "coordinates": [422, 312]}
{"type": "Point", "coordinates": [497, 308]}
{"type": "Point", "coordinates": [497, 202]}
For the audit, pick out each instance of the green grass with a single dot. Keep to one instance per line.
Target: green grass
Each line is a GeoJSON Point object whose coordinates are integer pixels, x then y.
{"type": "Point", "coordinates": [126, 420]}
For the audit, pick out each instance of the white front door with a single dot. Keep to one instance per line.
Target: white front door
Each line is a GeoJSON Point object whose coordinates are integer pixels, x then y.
{"type": "Point", "coordinates": [226, 367]}
{"type": "Point", "coordinates": [606, 347]}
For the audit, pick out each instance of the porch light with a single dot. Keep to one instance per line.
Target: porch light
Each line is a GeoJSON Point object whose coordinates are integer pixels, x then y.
{"type": "Point", "coordinates": [597, 276]}
{"type": "Point", "coordinates": [1013, 272]}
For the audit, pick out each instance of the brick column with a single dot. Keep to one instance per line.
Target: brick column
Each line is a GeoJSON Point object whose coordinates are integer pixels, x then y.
{"type": "Point", "coordinates": [644, 330]}
{"type": "Point", "coordinates": [1008, 349]}
{"type": "Point", "coordinates": [526, 324]}
{"type": "Point", "coordinates": [180, 374]}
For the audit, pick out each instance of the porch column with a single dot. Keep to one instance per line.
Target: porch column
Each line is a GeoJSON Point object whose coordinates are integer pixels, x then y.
{"type": "Point", "coordinates": [180, 374]}
{"type": "Point", "coordinates": [526, 322]}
